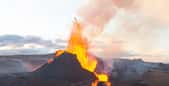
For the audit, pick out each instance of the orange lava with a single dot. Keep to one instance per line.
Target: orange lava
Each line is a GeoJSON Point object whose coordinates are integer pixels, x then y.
{"type": "Point", "coordinates": [59, 52]}
{"type": "Point", "coordinates": [50, 60]}
{"type": "Point", "coordinates": [78, 45]}
{"type": "Point", "coordinates": [95, 83]}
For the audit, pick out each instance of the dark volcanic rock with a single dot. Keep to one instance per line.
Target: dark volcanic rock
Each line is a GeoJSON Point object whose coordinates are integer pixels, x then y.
{"type": "Point", "coordinates": [65, 67]}
{"type": "Point", "coordinates": [65, 70]}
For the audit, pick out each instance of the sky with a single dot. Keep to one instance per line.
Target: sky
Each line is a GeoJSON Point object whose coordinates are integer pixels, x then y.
{"type": "Point", "coordinates": [122, 28]}
{"type": "Point", "coordinates": [47, 19]}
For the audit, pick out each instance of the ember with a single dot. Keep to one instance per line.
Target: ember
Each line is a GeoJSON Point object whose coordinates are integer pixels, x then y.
{"type": "Point", "coordinates": [100, 83]}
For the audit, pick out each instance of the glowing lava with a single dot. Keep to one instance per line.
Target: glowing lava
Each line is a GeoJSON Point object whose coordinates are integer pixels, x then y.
{"type": "Point", "coordinates": [59, 52]}
{"type": "Point", "coordinates": [78, 45]}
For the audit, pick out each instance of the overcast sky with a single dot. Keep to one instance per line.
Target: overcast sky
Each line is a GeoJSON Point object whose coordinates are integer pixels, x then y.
{"type": "Point", "coordinates": [35, 26]}
{"type": "Point", "coordinates": [45, 18]}
{"type": "Point", "coordinates": [130, 27]}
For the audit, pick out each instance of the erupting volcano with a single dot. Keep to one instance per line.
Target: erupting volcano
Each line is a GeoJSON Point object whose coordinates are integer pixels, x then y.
{"type": "Point", "coordinates": [111, 43]}
{"type": "Point", "coordinates": [78, 45]}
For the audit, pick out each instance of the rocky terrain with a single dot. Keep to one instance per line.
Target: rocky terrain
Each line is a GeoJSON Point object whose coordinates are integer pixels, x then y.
{"type": "Point", "coordinates": [24, 70]}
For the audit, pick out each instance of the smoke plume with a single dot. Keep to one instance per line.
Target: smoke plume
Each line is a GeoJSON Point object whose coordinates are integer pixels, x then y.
{"type": "Point", "coordinates": [131, 22]}
{"type": "Point", "coordinates": [125, 28]}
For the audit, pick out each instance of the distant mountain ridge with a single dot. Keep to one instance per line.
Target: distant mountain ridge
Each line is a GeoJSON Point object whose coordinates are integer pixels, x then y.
{"type": "Point", "coordinates": [132, 69]}
{"type": "Point", "coordinates": [125, 72]}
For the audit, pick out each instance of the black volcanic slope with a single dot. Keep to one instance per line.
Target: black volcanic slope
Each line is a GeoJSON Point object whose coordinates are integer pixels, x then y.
{"type": "Point", "coordinates": [65, 67]}
{"type": "Point", "coordinates": [65, 70]}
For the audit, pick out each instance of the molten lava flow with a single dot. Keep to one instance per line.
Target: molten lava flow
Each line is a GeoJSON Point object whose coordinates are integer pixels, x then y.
{"type": "Point", "coordinates": [102, 77]}
{"type": "Point", "coordinates": [78, 45]}
{"type": "Point", "coordinates": [59, 52]}
{"type": "Point", "coordinates": [98, 83]}
{"type": "Point", "coordinates": [50, 60]}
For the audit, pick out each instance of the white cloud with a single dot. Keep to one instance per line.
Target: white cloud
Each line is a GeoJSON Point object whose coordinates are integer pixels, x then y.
{"type": "Point", "coordinates": [14, 44]}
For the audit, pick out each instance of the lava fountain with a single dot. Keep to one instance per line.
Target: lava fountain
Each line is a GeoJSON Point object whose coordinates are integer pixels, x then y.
{"type": "Point", "coordinates": [79, 46]}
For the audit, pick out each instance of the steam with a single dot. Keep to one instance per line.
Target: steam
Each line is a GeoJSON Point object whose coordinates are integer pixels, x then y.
{"type": "Point", "coordinates": [122, 28]}
{"type": "Point", "coordinates": [95, 15]}
{"type": "Point", "coordinates": [139, 34]}
{"type": "Point", "coordinates": [155, 9]}
{"type": "Point", "coordinates": [125, 27]}
{"type": "Point", "coordinates": [97, 12]}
